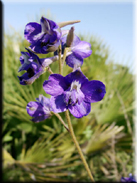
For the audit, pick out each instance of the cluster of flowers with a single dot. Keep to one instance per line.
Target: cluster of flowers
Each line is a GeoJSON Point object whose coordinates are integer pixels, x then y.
{"type": "Point", "coordinates": [74, 91]}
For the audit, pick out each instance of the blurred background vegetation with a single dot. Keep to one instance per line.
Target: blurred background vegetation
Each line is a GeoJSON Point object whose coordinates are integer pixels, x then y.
{"type": "Point", "coordinates": [44, 151]}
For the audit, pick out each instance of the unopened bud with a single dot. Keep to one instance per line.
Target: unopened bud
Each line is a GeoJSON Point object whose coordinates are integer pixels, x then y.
{"type": "Point", "coordinates": [70, 37]}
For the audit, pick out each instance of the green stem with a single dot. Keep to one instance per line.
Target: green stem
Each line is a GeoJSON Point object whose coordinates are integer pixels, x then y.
{"type": "Point", "coordinates": [77, 145]}
{"type": "Point", "coordinates": [64, 56]}
{"type": "Point", "coordinates": [61, 120]}
{"type": "Point", "coordinates": [49, 70]}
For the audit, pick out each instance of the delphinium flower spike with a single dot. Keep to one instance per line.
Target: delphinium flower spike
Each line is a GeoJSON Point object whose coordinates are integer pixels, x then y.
{"type": "Point", "coordinates": [73, 92]}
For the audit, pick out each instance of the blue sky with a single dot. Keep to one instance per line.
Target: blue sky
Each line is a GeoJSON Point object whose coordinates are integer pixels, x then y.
{"type": "Point", "coordinates": [112, 22]}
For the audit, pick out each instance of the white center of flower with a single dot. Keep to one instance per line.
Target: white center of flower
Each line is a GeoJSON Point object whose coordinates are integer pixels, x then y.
{"type": "Point", "coordinates": [75, 85]}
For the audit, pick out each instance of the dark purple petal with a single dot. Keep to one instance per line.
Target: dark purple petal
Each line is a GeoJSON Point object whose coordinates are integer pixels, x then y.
{"type": "Point", "coordinates": [37, 48]}
{"type": "Point", "coordinates": [25, 79]}
{"type": "Point", "coordinates": [32, 29]}
{"type": "Point", "coordinates": [80, 110]}
{"type": "Point", "coordinates": [28, 65]}
{"type": "Point", "coordinates": [40, 118]}
{"type": "Point", "coordinates": [44, 47]}
{"type": "Point", "coordinates": [57, 103]}
{"type": "Point", "coordinates": [21, 59]}
{"type": "Point", "coordinates": [94, 90]}
{"type": "Point", "coordinates": [76, 76]}
{"type": "Point", "coordinates": [74, 60]}
{"type": "Point", "coordinates": [55, 85]}
{"type": "Point", "coordinates": [82, 49]}
{"type": "Point", "coordinates": [53, 37]}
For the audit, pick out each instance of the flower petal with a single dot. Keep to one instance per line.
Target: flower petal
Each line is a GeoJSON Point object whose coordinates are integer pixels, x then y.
{"type": "Point", "coordinates": [38, 48]}
{"type": "Point", "coordinates": [35, 109]}
{"type": "Point", "coordinates": [76, 40]}
{"type": "Point", "coordinates": [82, 49]}
{"type": "Point", "coordinates": [76, 76]}
{"type": "Point", "coordinates": [31, 30]}
{"type": "Point", "coordinates": [57, 103]}
{"type": "Point", "coordinates": [40, 118]}
{"type": "Point", "coordinates": [74, 61]}
{"type": "Point", "coordinates": [45, 25]}
{"type": "Point", "coordinates": [80, 110]}
{"type": "Point", "coordinates": [94, 90]}
{"type": "Point", "coordinates": [26, 80]}
{"type": "Point", "coordinates": [55, 85]}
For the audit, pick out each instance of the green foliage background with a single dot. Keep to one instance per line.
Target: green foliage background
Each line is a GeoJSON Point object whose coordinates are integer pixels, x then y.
{"type": "Point", "coordinates": [44, 151]}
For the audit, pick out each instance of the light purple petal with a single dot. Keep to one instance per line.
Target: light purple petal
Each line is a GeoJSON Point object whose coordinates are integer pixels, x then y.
{"type": "Point", "coordinates": [31, 30]}
{"type": "Point", "coordinates": [55, 85]}
{"type": "Point", "coordinates": [45, 102]}
{"type": "Point", "coordinates": [82, 49]}
{"type": "Point", "coordinates": [73, 97]}
{"type": "Point", "coordinates": [80, 110]}
{"type": "Point", "coordinates": [47, 61]}
{"type": "Point", "coordinates": [74, 61]}
{"type": "Point", "coordinates": [64, 32]}
{"type": "Point", "coordinates": [76, 40]}
{"type": "Point", "coordinates": [94, 90]}
{"type": "Point", "coordinates": [40, 109]}
{"type": "Point", "coordinates": [35, 109]}
{"type": "Point", "coordinates": [45, 25]}
{"type": "Point", "coordinates": [57, 103]}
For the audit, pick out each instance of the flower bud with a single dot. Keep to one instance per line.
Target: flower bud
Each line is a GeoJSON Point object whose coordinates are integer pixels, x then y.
{"type": "Point", "coordinates": [70, 37]}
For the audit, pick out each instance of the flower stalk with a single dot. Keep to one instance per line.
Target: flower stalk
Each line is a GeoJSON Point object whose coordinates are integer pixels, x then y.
{"type": "Point", "coordinates": [61, 120]}
{"type": "Point", "coordinates": [77, 145]}
{"type": "Point", "coordinates": [60, 61]}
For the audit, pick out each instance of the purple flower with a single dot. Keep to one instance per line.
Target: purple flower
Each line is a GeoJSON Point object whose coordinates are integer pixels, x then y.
{"type": "Point", "coordinates": [131, 178]}
{"type": "Point", "coordinates": [33, 65]}
{"type": "Point", "coordinates": [78, 49]}
{"type": "Point", "coordinates": [44, 37]}
{"type": "Point", "coordinates": [74, 92]}
{"type": "Point", "coordinates": [39, 110]}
